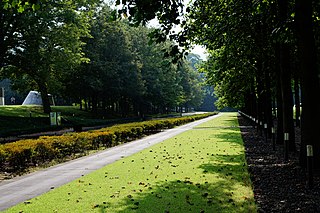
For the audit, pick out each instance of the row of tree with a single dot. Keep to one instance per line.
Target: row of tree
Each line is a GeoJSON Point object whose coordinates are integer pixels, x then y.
{"type": "Point", "coordinates": [263, 61]}
{"type": "Point", "coordinates": [261, 53]}
{"type": "Point", "coordinates": [76, 50]}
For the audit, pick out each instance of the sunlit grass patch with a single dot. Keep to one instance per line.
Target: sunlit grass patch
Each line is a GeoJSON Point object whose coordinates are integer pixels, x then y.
{"type": "Point", "coordinates": [202, 170]}
{"type": "Point", "coordinates": [227, 119]}
{"type": "Point", "coordinates": [21, 111]}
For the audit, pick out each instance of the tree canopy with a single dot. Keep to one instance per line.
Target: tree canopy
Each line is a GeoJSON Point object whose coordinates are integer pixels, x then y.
{"type": "Point", "coordinates": [77, 50]}
{"type": "Point", "coordinates": [45, 44]}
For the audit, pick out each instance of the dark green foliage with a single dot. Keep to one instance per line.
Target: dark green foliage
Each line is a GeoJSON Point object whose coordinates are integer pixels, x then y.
{"type": "Point", "coordinates": [44, 45]}
{"type": "Point", "coordinates": [78, 53]}
{"type": "Point", "coordinates": [129, 74]}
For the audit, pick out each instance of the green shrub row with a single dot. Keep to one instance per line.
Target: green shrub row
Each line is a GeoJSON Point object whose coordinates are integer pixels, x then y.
{"type": "Point", "coordinates": [30, 152]}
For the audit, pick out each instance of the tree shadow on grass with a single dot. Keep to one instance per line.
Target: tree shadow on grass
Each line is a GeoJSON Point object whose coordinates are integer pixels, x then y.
{"type": "Point", "coordinates": [219, 194]}
{"type": "Point", "coordinates": [230, 135]}
{"type": "Point", "coordinates": [231, 166]}
{"type": "Point", "coordinates": [228, 174]}
{"type": "Point", "coordinates": [186, 196]}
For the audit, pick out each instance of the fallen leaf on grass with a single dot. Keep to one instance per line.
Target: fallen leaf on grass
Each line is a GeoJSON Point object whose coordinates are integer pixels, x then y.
{"type": "Point", "coordinates": [95, 206]}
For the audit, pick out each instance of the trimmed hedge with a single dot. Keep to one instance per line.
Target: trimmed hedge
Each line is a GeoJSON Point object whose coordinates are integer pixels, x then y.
{"type": "Point", "coordinates": [30, 152]}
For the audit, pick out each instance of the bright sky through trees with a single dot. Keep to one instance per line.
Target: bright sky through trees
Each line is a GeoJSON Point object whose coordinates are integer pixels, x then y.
{"type": "Point", "coordinates": [199, 50]}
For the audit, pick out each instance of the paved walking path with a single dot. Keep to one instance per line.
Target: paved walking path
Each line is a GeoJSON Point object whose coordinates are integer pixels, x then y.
{"type": "Point", "coordinates": [23, 188]}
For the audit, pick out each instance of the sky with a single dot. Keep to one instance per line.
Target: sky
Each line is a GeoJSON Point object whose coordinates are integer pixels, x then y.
{"type": "Point", "coordinates": [201, 51]}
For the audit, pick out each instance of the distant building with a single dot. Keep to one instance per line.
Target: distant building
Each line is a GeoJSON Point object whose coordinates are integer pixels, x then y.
{"type": "Point", "coordinates": [9, 93]}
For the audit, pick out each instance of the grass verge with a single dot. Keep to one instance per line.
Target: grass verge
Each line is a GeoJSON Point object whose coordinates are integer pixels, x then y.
{"type": "Point", "coordinates": [201, 170]}
{"type": "Point", "coordinates": [16, 119]}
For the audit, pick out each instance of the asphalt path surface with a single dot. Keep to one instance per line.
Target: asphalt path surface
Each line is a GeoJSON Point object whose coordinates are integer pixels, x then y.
{"type": "Point", "coordinates": [23, 188]}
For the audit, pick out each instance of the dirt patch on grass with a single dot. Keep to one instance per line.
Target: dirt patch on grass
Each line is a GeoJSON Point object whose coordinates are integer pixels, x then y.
{"type": "Point", "coordinates": [278, 186]}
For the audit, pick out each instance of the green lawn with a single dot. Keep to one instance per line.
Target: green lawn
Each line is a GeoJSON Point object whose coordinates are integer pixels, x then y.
{"type": "Point", "coordinates": [28, 119]}
{"type": "Point", "coordinates": [201, 170]}
{"type": "Point", "coordinates": [21, 111]}
{"type": "Point", "coordinates": [18, 119]}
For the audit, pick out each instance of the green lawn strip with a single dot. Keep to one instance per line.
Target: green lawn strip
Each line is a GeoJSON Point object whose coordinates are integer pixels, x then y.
{"type": "Point", "coordinates": [201, 170]}
{"type": "Point", "coordinates": [17, 119]}
{"type": "Point", "coordinates": [228, 119]}
{"type": "Point", "coordinates": [21, 111]}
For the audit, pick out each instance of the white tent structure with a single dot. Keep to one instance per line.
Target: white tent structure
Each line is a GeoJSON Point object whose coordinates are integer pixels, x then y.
{"type": "Point", "coordinates": [34, 98]}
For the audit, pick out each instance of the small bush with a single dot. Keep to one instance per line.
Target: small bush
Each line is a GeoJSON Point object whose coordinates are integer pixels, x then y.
{"type": "Point", "coordinates": [3, 157]}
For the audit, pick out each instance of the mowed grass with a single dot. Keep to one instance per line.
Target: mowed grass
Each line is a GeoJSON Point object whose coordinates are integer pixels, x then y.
{"type": "Point", "coordinates": [201, 170]}
{"type": "Point", "coordinates": [37, 111]}
{"type": "Point", "coordinates": [17, 119]}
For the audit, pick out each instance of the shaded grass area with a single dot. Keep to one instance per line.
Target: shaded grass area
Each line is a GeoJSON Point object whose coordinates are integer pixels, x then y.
{"type": "Point", "coordinates": [21, 111]}
{"type": "Point", "coordinates": [201, 170]}
{"type": "Point", "coordinates": [15, 120]}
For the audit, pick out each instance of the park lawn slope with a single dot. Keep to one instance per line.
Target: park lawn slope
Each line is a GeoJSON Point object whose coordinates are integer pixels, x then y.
{"type": "Point", "coordinates": [18, 119]}
{"type": "Point", "coordinates": [201, 170]}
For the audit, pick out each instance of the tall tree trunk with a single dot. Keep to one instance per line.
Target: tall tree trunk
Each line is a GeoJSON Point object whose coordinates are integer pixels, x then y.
{"type": "Point", "coordinates": [260, 100]}
{"type": "Point", "coordinates": [297, 100]}
{"type": "Point", "coordinates": [268, 104]}
{"type": "Point", "coordinates": [80, 102]}
{"type": "Point", "coordinates": [249, 103]}
{"type": "Point", "coordinates": [265, 78]}
{"type": "Point", "coordinates": [285, 78]}
{"type": "Point", "coordinates": [274, 106]}
{"type": "Point", "coordinates": [44, 96]}
{"type": "Point", "coordinates": [86, 108]}
{"type": "Point", "coordinates": [286, 92]}
{"type": "Point", "coordinates": [309, 82]}
{"type": "Point", "coordinates": [254, 100]}
{"type": "Point", "coordinates": [279, 99]}
{"type": "Point", "coordinates": [94, 104]}
{"type": "Point", "coordinates": [104, 106]}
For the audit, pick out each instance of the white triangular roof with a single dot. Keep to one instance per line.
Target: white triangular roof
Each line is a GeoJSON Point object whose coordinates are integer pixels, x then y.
{"type": "Point", "coordinates": [33, 98]}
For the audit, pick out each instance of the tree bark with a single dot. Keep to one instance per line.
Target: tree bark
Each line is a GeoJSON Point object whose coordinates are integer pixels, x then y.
{"type": "Point", "coordinates": [285, 81]}
{"type": "Point", "coordinates": [94, 104]}
{"type": "Point", "coordinates": [286, 92]}
{"type": "Point", "coordinates": [44, 96]}
{"type": "Point", "coordinates": [279, 99]}
{"type": "Point", "coordinates": [297, 100]}
{"type": "Point", "coordinates": [309, 82]}
{"type": "Point", "coordinates": [80, 102]}
{"type": "Point", "coordinates": [260, 99]}
{"type": "Point", "coordinates": [268, 103]}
